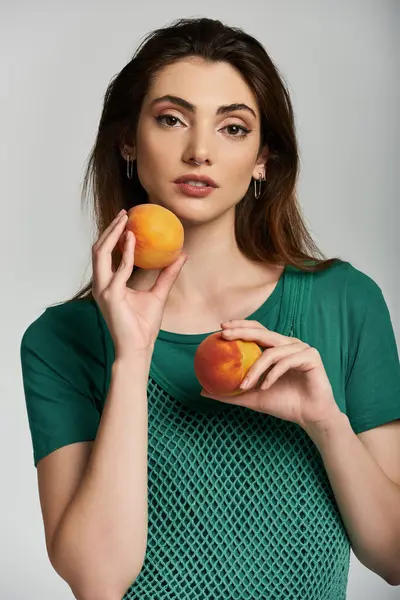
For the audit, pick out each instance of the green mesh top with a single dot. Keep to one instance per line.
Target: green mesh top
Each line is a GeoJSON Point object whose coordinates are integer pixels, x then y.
{"type": "Point", "coordinates": [240, 505]}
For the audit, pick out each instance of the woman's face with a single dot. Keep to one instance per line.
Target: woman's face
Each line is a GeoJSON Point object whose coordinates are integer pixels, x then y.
{"type": "Point", "coordinates": [170, 135]}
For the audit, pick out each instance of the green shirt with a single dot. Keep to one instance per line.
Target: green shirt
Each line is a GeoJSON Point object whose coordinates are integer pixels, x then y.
{"type": "Point", "coordinates": [240, 505]}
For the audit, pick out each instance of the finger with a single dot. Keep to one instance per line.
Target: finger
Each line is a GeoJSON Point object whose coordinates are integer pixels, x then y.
{"type": "Point", "coordinates": [102, 259]}
{"type": "Point", "coordinates": [266, 361]}
{"type": "Point", "coordinates": [246, 323]}
{"type": "Point", "coordinates": [125, 267]}
{"type": "Point", "coordinates": [261, 336]}
{"type": "Point", "coordinates": [108, 229]}
{"type": "Point", "coordinates": [248, 399]}
{"type": "Point", "coordinates": [242, 323]}
{"type": "Point", "coordinates": [109, 242]}
{"type": "Point", "coordinates": [167, 278]}
{"type": "Point", "coordinates": [303, 361]}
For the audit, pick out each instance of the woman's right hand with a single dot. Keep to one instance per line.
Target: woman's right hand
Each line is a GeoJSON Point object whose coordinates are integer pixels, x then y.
{"type": "Point", "coordinates": [133, 317]}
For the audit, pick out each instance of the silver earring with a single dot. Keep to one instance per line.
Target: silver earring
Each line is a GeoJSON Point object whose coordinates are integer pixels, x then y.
{"type": "Point", "coordinates": [257, 192]}
{"type": "Point", "coordinates": [129, 167]}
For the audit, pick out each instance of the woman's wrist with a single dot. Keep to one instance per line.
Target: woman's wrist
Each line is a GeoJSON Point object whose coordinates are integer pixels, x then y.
{"type": "Point", "coordinates": [133, 359]}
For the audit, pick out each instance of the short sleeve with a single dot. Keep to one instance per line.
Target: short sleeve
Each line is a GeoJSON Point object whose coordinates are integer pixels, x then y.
{"type": "Point", "coordinates": [62, 380]}
{"type": "Point", "coordinates": [372, 383]}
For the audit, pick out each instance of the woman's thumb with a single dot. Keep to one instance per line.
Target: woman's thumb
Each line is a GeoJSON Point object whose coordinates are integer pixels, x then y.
{"type": "Point", "coordinates": [168, 276]}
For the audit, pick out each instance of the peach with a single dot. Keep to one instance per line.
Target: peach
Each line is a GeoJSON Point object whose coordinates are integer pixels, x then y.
{"type": "Point", "coordinates": [159, 235]}
{"type": "Point", "coordinates": [221, 365]}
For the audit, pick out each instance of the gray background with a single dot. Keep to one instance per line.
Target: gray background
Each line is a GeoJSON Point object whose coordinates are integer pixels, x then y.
{"type": "Point", "coordinates": [340, 60]}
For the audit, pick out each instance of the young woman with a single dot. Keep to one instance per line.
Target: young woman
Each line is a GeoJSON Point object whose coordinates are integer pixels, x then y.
{"type": "Point", "coordinates": [149, 488]}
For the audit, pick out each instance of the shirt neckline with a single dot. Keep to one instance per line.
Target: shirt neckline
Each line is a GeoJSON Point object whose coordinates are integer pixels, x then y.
{"type": "Point", "coordinates": [257, 315]}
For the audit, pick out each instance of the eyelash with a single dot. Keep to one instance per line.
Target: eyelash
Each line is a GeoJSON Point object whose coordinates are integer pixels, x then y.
{"type": "Point", "coordinates": [246, 131]}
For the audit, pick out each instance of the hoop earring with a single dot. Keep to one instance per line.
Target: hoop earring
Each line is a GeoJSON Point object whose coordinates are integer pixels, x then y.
{"type": "Point", "coordinates": [129, 167]}
{"type": "Point", "coordinates": [257, 193]}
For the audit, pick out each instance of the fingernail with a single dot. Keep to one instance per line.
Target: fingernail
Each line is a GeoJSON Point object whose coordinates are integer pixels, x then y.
{"type": "Point", "coordinates": [244, 383]}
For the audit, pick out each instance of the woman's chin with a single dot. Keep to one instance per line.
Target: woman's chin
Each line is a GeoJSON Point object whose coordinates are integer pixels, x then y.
{"type": "Point", "coordinates": [191, 210]}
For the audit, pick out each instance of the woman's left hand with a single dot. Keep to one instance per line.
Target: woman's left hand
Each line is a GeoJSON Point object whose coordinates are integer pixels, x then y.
{"type": "Point", "coordinates": [296, 387]}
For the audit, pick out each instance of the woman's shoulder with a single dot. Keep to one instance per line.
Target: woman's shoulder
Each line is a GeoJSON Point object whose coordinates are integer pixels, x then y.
{"type": "Point", "coordinates": [69, 323]}
{"type": "Point", "coordinates": [347, 280]}
{"type": "Point", "coordinates": [345, 289]}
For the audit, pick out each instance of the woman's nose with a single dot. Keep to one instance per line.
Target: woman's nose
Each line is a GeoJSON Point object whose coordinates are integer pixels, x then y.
{"type": "Point", "coordinates": [199, 147]}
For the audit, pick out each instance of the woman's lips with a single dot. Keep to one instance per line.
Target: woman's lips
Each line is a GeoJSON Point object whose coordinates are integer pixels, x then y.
{"type": "Point", "coordinates": [195, 190]}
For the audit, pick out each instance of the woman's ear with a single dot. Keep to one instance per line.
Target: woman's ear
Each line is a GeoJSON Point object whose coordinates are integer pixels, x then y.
{"type": "Point", "coordinates": [261, 164]}
{"type": "Point", "coordinates": [128, 151]}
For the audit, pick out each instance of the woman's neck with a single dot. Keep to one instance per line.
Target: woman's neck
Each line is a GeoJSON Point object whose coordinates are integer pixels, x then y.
{"type": "Point", "coordinates": [215, 264]}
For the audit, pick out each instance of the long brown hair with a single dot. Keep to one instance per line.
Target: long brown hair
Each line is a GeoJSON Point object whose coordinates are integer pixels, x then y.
{"type": "Point", "coordinates": [269, 228]}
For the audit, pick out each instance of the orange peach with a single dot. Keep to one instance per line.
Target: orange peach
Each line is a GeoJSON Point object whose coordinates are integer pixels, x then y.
{"type": "Point", "coordinates": [221, 365]}
{"type": "Point", "coordinates": [159, 235]}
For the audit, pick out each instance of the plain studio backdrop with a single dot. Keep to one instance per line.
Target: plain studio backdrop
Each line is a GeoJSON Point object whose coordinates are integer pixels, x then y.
{"type": "Point", "coordinates": [340, 60]}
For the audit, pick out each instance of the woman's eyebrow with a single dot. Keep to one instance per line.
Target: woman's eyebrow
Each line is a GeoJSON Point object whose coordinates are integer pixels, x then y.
{"type": "Point", "coordinates": [221, 110]}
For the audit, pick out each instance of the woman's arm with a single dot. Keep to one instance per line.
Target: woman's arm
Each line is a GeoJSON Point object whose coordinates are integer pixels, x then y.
{"type": "Point", "coordinates": [368, 500]}
{"type": "Point", "coordinates": [100, 543]}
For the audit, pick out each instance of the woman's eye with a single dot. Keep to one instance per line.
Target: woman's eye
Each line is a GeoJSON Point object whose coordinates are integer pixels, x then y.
{"type": "Point", "coordinates": [161, 117]}
{"type": "Point", "coordinates": [240, 128]}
